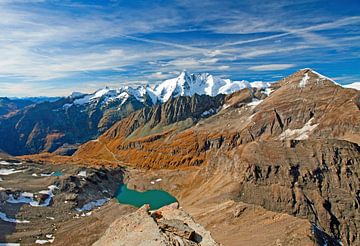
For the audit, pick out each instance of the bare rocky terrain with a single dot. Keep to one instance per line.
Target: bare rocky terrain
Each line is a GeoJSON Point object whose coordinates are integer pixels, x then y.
{"type": "Point", "coordinates": [266, 167]}
{"type": "Point", "coordinates": [295, 151]}
{"type": "Point", "coordinates": [39, 200]}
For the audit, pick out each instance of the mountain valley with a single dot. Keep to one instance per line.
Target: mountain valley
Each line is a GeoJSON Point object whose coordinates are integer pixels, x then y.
{"type": "Point", "coordinates": [254, 163]}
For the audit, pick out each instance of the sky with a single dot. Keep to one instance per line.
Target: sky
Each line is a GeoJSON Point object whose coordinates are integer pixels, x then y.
{"type": "Point", "coordinates": [54, 47]}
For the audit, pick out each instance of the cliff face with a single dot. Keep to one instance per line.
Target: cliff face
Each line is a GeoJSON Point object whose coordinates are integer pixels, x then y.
{"type": "Point", "coordinates": [295, 151]}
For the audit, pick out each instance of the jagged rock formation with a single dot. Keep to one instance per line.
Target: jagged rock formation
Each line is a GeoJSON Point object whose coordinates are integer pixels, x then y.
{"type": "Point", "coordinates": [295, 151]}
{"type": "Point", "coordinates": [165, 227]}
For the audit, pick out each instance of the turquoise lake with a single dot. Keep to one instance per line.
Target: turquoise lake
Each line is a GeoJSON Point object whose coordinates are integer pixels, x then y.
{"type": "Point", "coordinates": [57, 174]}
{"type": "Point", "coordinates": [155, 198]}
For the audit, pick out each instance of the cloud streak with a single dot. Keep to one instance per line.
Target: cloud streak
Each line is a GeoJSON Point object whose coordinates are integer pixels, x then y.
{"type": "Point", "coordinates": [63, 46]}
{"type": "Point", "coordinates": [271, 67]}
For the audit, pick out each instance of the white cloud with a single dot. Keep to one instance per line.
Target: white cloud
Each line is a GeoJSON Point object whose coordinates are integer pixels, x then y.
{"type": "Point", "coordinates": [271, 67]}
{"type": "Point", "coordinates": [157, 76]}
{"type": "Point", "coordinates": [40, 44]}
{"type": "Point", "coordinates": [223, 68]}
{"type": "Point", "coordinates": [271, 50]}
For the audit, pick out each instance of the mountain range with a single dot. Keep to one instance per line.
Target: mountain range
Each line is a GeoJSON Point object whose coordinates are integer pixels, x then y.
{"type": "Point", "coordinates": [293, 148]}
{"type": "Point", "coordinates": [65, 123]}
{"type": "Point", "coordinates": [231, 152]}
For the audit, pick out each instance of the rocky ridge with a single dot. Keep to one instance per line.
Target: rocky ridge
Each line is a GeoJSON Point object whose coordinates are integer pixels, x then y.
{"type": "Point", "coordinates": [164, 227]}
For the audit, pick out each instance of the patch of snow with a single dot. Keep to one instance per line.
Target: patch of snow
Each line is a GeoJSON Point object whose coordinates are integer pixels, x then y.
{"type": "Point", "coordinates": [208, 112]}
{"type": "Point", "coordinates": [4, 171]}
{"type": "Point", "coordinates": [4, 217]}
{"type": "Point", "coordinates": [34, 175]}
{"type": "Point", "coordinates": [50, 218]}
{"type": "Point", "coordinates": [43, 241]}
{"type": "Point", "coordinates": [9, 244]}
{"type": "Point", "coordinates": [156, 181]}
{"type": "Point", "coordinates": [47, 174]}
{"type": "Point", "coordinates": [82, 174]}
{"type": "Point", "coordinates": [27, 197]}
{"type": "Point", "coordinates": [304, 80]}
{"type": "Point", "coordinates": [24, 197]}
{"type": "Point", "coordinates": [322, 77]}
{"type": "Point", "coordinates": [76, 94]}
{"type": "Point", "coordinates": [6, 163]}
{"type": "Point", "coordinates": [1, 179]}
{"type": "Point", "coordinates": [254, 102]}
{"type": "Point", "coordinates": [299, 134]}
{"type": "Point", "coordinates": [67, 105]}
{"type": "Point", "coordinates": [225, 106]}
{"type": "Point", "coordinates": [268, 91]}
{"type": "Point", "coordinates": [260, 84]}
{"type": "Point", "coordinates": [100, 93]}
{"type": "Point", "coordinates": [82, 100]}
{"type": "Point", "coordinates": [93, 204]}
{"type": "Point", "coordinates": [355, 85]}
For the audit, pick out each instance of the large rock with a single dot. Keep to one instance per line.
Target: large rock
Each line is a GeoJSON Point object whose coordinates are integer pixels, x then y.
{"type": "Point", "coordinates": [139, 228]}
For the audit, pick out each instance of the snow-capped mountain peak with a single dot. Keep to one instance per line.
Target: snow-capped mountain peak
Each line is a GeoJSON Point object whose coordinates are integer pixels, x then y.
{"type": "Point", "coordinates": [201, 83]}
{"type": "Point", "coordinates": [186, 84]}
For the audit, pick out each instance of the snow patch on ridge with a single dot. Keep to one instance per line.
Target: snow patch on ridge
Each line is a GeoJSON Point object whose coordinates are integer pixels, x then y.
{"type": "Point", "coordinates": [304, 80]}
{"type": "Point", "coordinates": [254, 102]}
{"type": "Point", "coordinates": [355, 85]}
{"type": "Point", "coordinates": [208, 112]}
{"type": "Point", "coordinates": [299, 134]}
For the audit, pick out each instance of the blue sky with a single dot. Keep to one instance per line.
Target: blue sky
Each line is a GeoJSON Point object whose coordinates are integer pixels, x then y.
{"type": "Point", "coordinates": [53, 47]}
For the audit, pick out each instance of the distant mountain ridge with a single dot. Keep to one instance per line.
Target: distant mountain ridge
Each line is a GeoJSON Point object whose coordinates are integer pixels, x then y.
{"type": "Point", "coordinates": [63, 124]}
{"type": "Point", "coordinates": [186, 84]}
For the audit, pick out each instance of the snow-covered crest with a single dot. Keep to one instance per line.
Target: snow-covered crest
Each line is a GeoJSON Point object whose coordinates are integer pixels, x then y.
{"type": "Point", "coordinates": [202, 84]}
{"type": "Point", "coordinates": [185, 84]}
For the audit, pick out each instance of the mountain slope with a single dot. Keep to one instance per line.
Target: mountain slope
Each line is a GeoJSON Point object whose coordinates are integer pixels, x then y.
{"type": "Point", "coordinates": [319, 109]}
{"type": "Point", "coordinates": [11, 106]}
{"type": "Point", "coordinates": [295, 151]}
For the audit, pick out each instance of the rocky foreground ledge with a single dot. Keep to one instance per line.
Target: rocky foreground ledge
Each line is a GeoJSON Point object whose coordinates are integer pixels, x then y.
{"type": "Point", "coordinates": [170, 225]}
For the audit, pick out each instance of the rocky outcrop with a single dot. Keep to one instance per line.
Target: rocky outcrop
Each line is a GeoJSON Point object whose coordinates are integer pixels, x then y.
{"type": "Point", "coordinates": [317, 180]}
{"type": "Point", "coordinates": [167, 226]}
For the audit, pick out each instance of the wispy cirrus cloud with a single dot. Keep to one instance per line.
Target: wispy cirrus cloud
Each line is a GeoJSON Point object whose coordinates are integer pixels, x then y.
{"type": "Point", "coordinates": [71, 46]}
{"type": "Point", "coordinates": [271, 67]}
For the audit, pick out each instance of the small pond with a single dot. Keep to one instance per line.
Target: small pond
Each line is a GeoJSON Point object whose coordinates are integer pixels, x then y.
{"type": "Point", "coordinates": [155, 198]}
{"type": "Point", "coordinates": [57, 174]}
